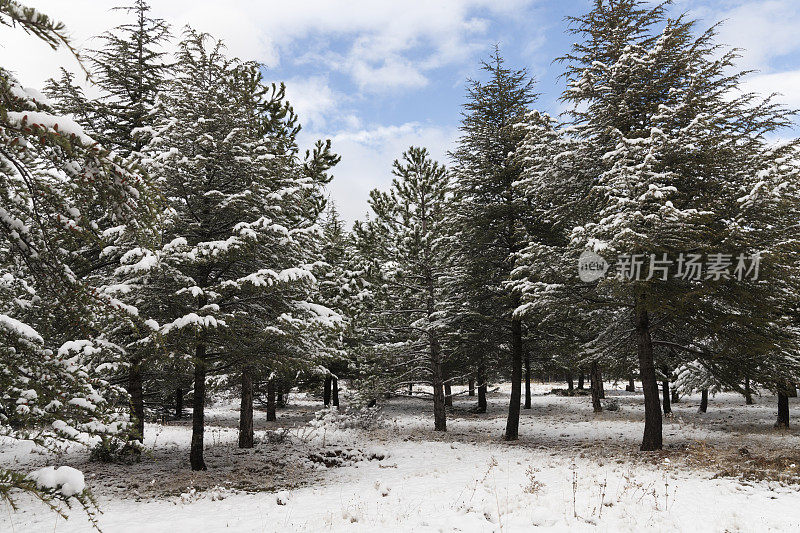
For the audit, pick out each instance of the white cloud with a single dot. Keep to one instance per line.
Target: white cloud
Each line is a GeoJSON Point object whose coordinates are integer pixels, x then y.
{"type": "Point", "coordinates": [382, 36]}
{"type": "Point", "coordinates": [367, 157]}
{"type": "Point", "coordinates": [785, 84]}
{"type": "Point", "coordinates": [764, 30]}
{"type": "Point", "coordinates": [312, 99]}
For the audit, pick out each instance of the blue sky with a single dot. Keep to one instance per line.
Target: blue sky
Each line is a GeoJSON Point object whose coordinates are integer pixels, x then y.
{"type": "Point", "coordinates": [377, 76]}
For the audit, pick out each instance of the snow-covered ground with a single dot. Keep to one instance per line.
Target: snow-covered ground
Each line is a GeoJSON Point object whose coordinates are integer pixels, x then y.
{"type": "Point", "coordinates": [726, 470]}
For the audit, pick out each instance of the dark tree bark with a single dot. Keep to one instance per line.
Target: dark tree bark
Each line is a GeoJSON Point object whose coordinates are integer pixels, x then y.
{"type": "Point", "coordinates": [748, 393]}
{"type": "Point", "coordinates": [675, 397]}
{"type": "Point", "coordinates": [665, 396]}
{"type": "Point", "coordinates": [570, 381]}
{"type": "Point", "coordinates": [471, 387]}
{"type": "Point", "coordinates": [246, 410]}
{"type": "Point", "coordinates": [527, 381]}
{"type": "Point", "coordinates": [512, 424]}
{"type": "Point", "coordinates": [783, 411]}
{"type": "Point", "coordinates": [326, 391]}
{"type": "Point", "coordinates": [652, 438]}
{"type": "Point", "coordinates": [600, 386]}
{"type": "Point", "coordinates": [580, 380]}
{"type": "Point", "coordinates": [448, 394]}
{"type": "Point", "coordinates": [595, 385]}
{"type": "Point", "coordinates": [703, 401]}
{"type": "Point", "coordinates": [482, 405]}
{"type": "Point", "coordinates": [178, 403]}
{"type": "Point", "coordinates": [335, 392]}
{"type": "Point", "coordinates": [198, 408]}
{"type": "Point", "coordinates": [631, 387]}
{"type": "Point", "coordinates": [410, 389]}
{"type": "Point", "coordinates": [280, 393]}
{"type": "Point", "coordinates": [137, 399]}
{"type": "Point", "coordinates": [439, 412]}
{"type": "Point", "coordinates": [791, 391]}
{"type": "Point", "coordinates": [271, 417]}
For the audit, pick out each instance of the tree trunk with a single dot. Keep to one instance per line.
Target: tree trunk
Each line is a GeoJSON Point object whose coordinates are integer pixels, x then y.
{"type": "Point", "coordinates": [631, 387]}
{"type": "Point", "coordinates": [482, 405]}
{"type": "Point", "coordinates": [271, 400]}
{"type": "Point", "coordinates": [178, 403]}
{"type": "Point", "coordinates": [600, 387]}
{"type": "Point", "coordinates": [439, 412]}
{"type": "Point", "coordinates": [512, 424]}
{"type": "Point", "coordinates": [665, 396]}
{"type": "Point", "coordinates": [198, 408]}
{"type": "Point", "coordinates": [675, 398]}
{"type": "Point", "coordinates": [527, 381]}
{"type": "Point", "coordinates": [580, 380]}
{"type": "Point", "coordinates": [791, 391]}
{"type": "Point", "coordinates": [652, 438]}
{"type": "Point", "coordinates": [280, 399]}
{"type": "Point", "coordinates": [448, 394]}
{"type": "Point", "coordinates": [703, 401]}
{"type": "Point", "coordinates": [410, 389]}
{"type": "Point", "coordinates": [748, 393]}
{"type": "Point", "coordinates": [595, 385]}
{"type": "Point", "coordinates": [335, 392]}
{"type": "Point", "coordinates": [246, 410]}
{"type": "Point", "coordinates": [783, 411]}
{"type": "Point", "coordinates": [326, 391]}
{"type": "Point", "coordinates": [471, 387]}
{"type": "Point", "coordinates": [137, 399]}
{"type": "Point", "coordinates": [570, 381]}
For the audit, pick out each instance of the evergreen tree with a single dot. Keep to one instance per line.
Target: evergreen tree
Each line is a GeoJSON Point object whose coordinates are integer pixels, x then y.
{"type": "Point", "coordinates": [411, 221]}
{"type": "Point", "coordinates": [59, 189]}
{"type": "Point", "coordinates": [489, 214]}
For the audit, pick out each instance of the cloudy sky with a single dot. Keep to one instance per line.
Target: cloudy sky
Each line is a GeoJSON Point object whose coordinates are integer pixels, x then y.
{"type": "Point", "coordinates": [377, 76]}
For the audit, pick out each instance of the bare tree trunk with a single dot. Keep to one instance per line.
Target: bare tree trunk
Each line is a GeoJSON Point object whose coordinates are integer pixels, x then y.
{"type": "Point", "coordinates": [748, 393]}
{"type": "Point", "coordinates": [595, 385]}
{"type": "Point", "coordinates": [326, 391]}
{"type": "Point", "coordinates": [652, 438]}
{"type": "Point", "coordinates": [246, 410]}
{"type": "Point", "coordinates": [580, 379]}
{"type": "Point", "coordinates": [198, 408]}
{"type": "Point", "coordinates": [527, 381]}
{"type": "Point", "coordinates": [482, 405]}
{"type": "Point", "coordinates": [471, 387]}
{"type": "Point", "coordinates": [137, 399]}
{"type": "Point", "coordinates": [512, 424]}
{"type": "Point", "coordinates": [600, 386]}
{"type": "Point", "coordinates": [271, 417]}
{"type": "Point", "coordinates": [675, 397]}
{"type": "Point", "coordinates": [703, 401]}
{"type": "Point", "coordinates": [410, 389]}
{"type": "Point", "coordinates": [783, 411]}
{"type": "Point", "coordinates": [665, 396]}
{"type": "Point", "coordinates": [570, 381]}
{"type": "Point", "coordinates": [280, 393]}
{"type": "Point", "coordinates": [631, 387]}
{"type": "Point", "coordinates": [335, 392]}
{"type": "Point", "coordinates": [448, 394]}
{"type": "Point", "coordinates": [178, 403]}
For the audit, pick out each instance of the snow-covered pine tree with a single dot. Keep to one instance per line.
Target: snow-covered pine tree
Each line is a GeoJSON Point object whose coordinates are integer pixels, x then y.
{"type": "Point", "coordinates": [241, 228]}
{"type": "Point", "coordinates": [488, 213]}
{"type": "Point", "coordinates": [411, 221]}
{"type": "Point", "coordinates": [59, 188]}
{"type": "Point", "coordinates": [129, 70]}
{"type": "Point", "coordinates": [674, 147]}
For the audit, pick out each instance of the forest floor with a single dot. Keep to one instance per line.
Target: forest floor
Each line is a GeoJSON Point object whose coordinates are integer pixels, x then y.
{"type": "Point", "coordinates": [571, 470]}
